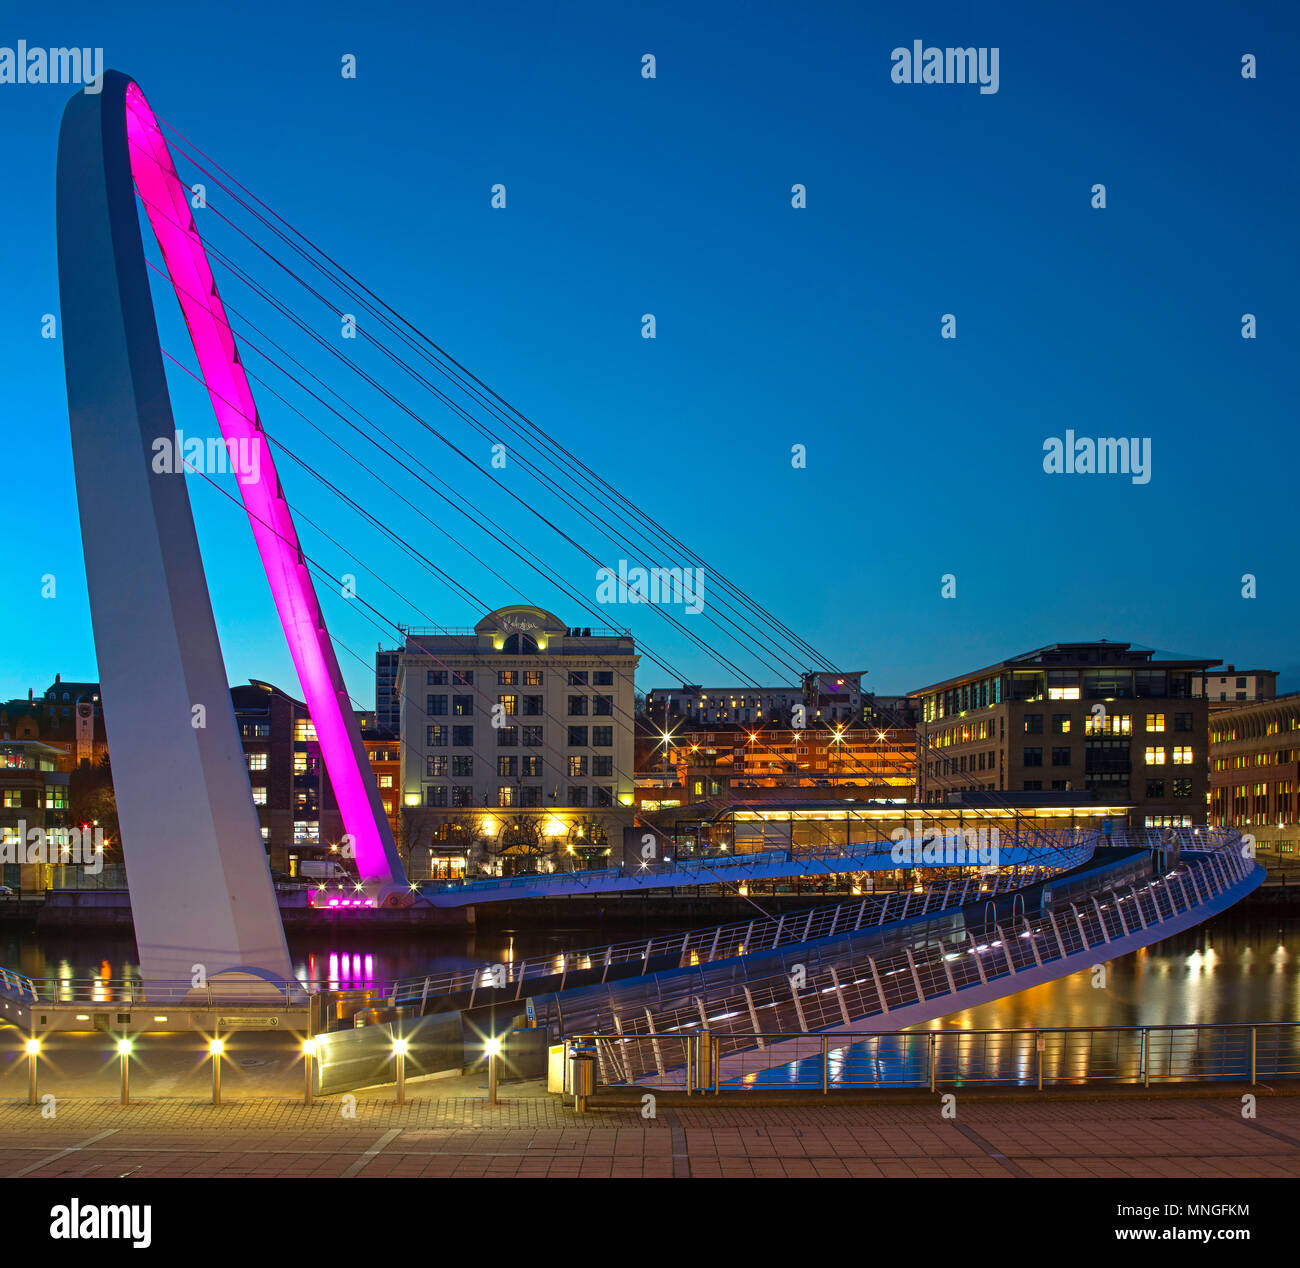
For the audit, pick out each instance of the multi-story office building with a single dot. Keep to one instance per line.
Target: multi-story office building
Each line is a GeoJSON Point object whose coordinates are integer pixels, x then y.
{"type": "Point", "coordinates": [1121, 722]}
{"type": "Point", "coordinates": [514, 734]}
{"type": "Point", "coordinates": [33, 794]}
{"type": "Point", "coordinates": [1255, 772]}
{"type": "Point", "coordinates": [1227, 686]}
{"type": "Point", "coordinates": [732, 761]}
{"type": "Point", "coordinates": [824, 698]}
{"type": "Point", "coordinates": [388, 707]}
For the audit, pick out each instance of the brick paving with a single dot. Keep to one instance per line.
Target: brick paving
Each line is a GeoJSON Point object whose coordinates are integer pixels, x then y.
{"type": "Point", "coordinates": [532, 1135]}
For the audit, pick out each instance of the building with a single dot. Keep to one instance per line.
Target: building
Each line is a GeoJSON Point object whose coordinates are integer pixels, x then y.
{"type": "Point", "coordinates": [1121, 722]}
{"type": "Point", "coordinates": [33, 794]}
{"type": "Point", "coordinates": [388, 707]}
{"type": "Point", "coordinates": [517, 741]}
{"type": "Point", "coordinates": [1228, 686]}
{"type": "Point", "coordinates": [1255, 771]}
{"type": "Point", "coordinates": [824, 697]}
{"type": "Point", "coordinates": [691, 764]}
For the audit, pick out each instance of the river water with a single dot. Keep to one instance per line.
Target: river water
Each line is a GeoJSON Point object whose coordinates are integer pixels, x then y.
{"type": "Point", "coordinates": [1232, 969]}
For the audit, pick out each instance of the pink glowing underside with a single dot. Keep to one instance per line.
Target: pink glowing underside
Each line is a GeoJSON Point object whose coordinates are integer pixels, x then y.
{"type": "Point", "coordinates": [167, 205]}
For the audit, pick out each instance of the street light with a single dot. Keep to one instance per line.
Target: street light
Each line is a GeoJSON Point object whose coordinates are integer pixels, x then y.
{"type": "Point", "coordinates": [124, 1056]}
{"type": "Point", "coordinates": [216, 1048]}
{"type": "Point", "coordinates": [33, 1052]}
{"type": "Point", "coordinates": [493, 1048]}
{"type": "Point", "coordinates": [399, 1051]}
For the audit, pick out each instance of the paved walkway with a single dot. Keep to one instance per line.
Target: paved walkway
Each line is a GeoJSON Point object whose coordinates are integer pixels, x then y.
{"type": "Point", "coordinates": [530, 1134]}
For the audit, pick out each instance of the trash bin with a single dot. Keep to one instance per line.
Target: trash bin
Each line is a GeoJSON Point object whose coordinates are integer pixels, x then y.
{"type": "Point", "coordinates": [584, 1075]}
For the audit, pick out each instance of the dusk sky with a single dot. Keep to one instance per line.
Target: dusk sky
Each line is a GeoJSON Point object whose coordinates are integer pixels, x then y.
{"type": "Point", "coordinates": [776, 326]}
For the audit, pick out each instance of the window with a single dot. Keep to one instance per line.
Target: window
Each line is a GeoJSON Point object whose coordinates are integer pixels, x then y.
{"type": "Point", "coordinates": [1033, 724]}
{"type": "Point", "coordinates": [14, 798]}
{"type": "Point", "coordinates": [578, 678]}
{"type": "Point", "coordinates": [1033, 785]}
{"type": "Point", "coordinates": [435, 765]}
{"type": "Point", "coordinates": [462, 737]}
{"type": "Point", "coordinates": [1033, 757]}
{"type": "Point", "coordinates": [507, 736]}
{"type": "Point", "coordinates": [577, 796]}
{"type": "Point", "coordinates": [257, 761]}
{"type": "Point", "coordinates": [507, 677]}
{"type": "Point", "coordinates": [462, 677]}
{"type": "Point", "coordinates": [531, 736]}
{"type": "Point", "coordinates": [507, 766]}
{"type": "Point", "coordinates": [577, 737]}
{"type": "Point", "coordinates": [577, 767]}
{"type": "Point", "coordinates": [1182, 787]}
{"type": "Point", "coordinates": [602, 796]}
{"type": "Point", "coordinates": [1155, 757]}
{"type": "Point", "coordinates": [436, 796]}
{"type": "Point", "coordinates": [532, 706]}
{"type": "Point", "coordinates": [1183, 755]}
{"type": "Point", "coordinates": [1060, 785]}
{"type": "Point", "coordinates": [510, 704]}
{"type": "Point", "coordinates": [303, 731]}
{"type": "Point", "coordinates": [462, 766]}
{"type": "Point", "coordinates": [1155, 787]}
{"type": "Point", "coordinates": [1155, 721]}
{"type": "Point", "coordinates": [1060, 757]}
{"type": "Point", "coordinates": [602, 706]}
{"type": "Point", "coordinates": [506, 795]}
{"type": "Point", "coordinates": [577, 706]}
{"type": "Point", "coordinates": [435, 706]}
{"type": "Point", "coordinates": [259, 796]}
{"type": "Point", "coordinates": [602, 767]}
{"type": "Point", "coordinates": [462, 706]}
{"type": "Point", "coordinates": [603, 678]}
{"type": "Point", "coordinates": [531, 766]}
{"type": "Point", "coordinates": [532, 677]}
{"type": "Point", "coordinates": [436, 678]}
{"type": "Point", "coordinates": [1182, 721]}
{"type": "Point", "coordinates": [1060, 724]}
{"type": "Point", "coordinates": [462, 795]}
{"type": "Point", "coordinates": [435, 737]}
{"type": "Point", "coordinates": [602, 737]}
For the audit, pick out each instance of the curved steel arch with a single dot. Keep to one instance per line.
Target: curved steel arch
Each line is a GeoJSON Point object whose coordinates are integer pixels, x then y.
{"type": "Point", "coordinates": [184, 801]}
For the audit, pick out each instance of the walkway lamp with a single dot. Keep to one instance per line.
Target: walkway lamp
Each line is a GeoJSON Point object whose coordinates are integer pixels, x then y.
{"type": "Point", "coordinates": [308, 1055]}
{"type": "Point", "coordinates": [124, 1059]}
{"type": "Point", "coordinates": [493, 1049]}
{"type": "Point", "coordinates": [399, 1051]}
{"type": "Point", "coordinates": [33, 1052]}
{"type": "Point", "coordinates": [215, 1049]}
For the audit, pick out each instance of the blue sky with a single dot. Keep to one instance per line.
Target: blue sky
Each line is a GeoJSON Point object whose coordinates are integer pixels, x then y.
{"type": "Point", "coordinates": [775, 326]}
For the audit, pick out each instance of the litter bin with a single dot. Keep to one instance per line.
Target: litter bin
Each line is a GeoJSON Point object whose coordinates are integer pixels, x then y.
{"type": "Point", "coordinates": [582, 1079]}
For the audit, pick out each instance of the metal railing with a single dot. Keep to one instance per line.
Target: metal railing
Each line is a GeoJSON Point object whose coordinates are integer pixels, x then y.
{"type": "Point", "coordinates": [857, 985]}
{"type": "Point", "coordinates": [721, 942]}
{"type": "Point", "coordinates": [1044, 1057]}
{"type": "Point", "coordinates": [133, 991]}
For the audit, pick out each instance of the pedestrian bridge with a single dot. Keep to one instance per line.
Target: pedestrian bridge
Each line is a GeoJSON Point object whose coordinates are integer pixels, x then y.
{"type": "Point", "coordinates": [1033, 848]}
{"type": "Point", "coordinates": [1140, 889]}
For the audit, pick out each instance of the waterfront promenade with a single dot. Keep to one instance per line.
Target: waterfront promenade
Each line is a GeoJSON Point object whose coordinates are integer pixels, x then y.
{"type": "Point", "coordinates": [456, 1133]}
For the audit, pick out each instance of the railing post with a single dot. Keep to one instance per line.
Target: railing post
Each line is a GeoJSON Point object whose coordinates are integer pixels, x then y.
{"type": "Point", "coordinates": [826, 1065]}
{"type": "Point", "coordinates": [1254, 1035]}
{"type": "Point", "coordinates": [1038, 1046]}
{"type": "Point", "coordinates": [1146, 1057]}
{"type": "Point", "coordinates": [932, 1061]}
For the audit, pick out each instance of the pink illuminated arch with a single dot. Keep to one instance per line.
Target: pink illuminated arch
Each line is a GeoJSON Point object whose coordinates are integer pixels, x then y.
{"type": "Point", "coordinates": [166, 202]}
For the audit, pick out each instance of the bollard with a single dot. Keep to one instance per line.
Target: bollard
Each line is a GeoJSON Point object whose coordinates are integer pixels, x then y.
{"type": "Point", "coordinates": [308, 1052]}
{"type": "Point", "coordinates": [33, 1052]}
{"type": "Point", "coordinates": [216, 1048]}
{"type": "Point", "coordinates": [399, 1050]}
{"type": "Point", "coordinates": [493, 1047]}
{"type": "Point", "coordinates": [124, 1054]}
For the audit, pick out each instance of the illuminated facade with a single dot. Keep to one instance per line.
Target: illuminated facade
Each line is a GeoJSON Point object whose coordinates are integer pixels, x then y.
{"type": "Point", "coordinates": [1255, 773]}
{"type": "Point", "coordinates": [1120, 722]}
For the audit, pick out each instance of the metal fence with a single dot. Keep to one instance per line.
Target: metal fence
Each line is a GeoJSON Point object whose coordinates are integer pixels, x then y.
{"type": "Point", "coordinates": [858, 985]}
{"type": "Point", "coordinates": [1070, 1056]}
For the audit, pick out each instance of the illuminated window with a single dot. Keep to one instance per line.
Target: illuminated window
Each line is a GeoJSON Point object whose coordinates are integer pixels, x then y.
{"type": "Point", "coordinates": [509, 703]}
{"type": "Point", "coordinates": [259, 796]}
{"type": "Point", "coordinates": [1155, 757]}
{"type": "Point", "coordinates": [1155, 721]}
{"type": "Point", "coordinates": [304, 730]}
{"type": "Point", "coordinates": [257, 761]}
{"type": "Point", "coordinates": [1182, 756]}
